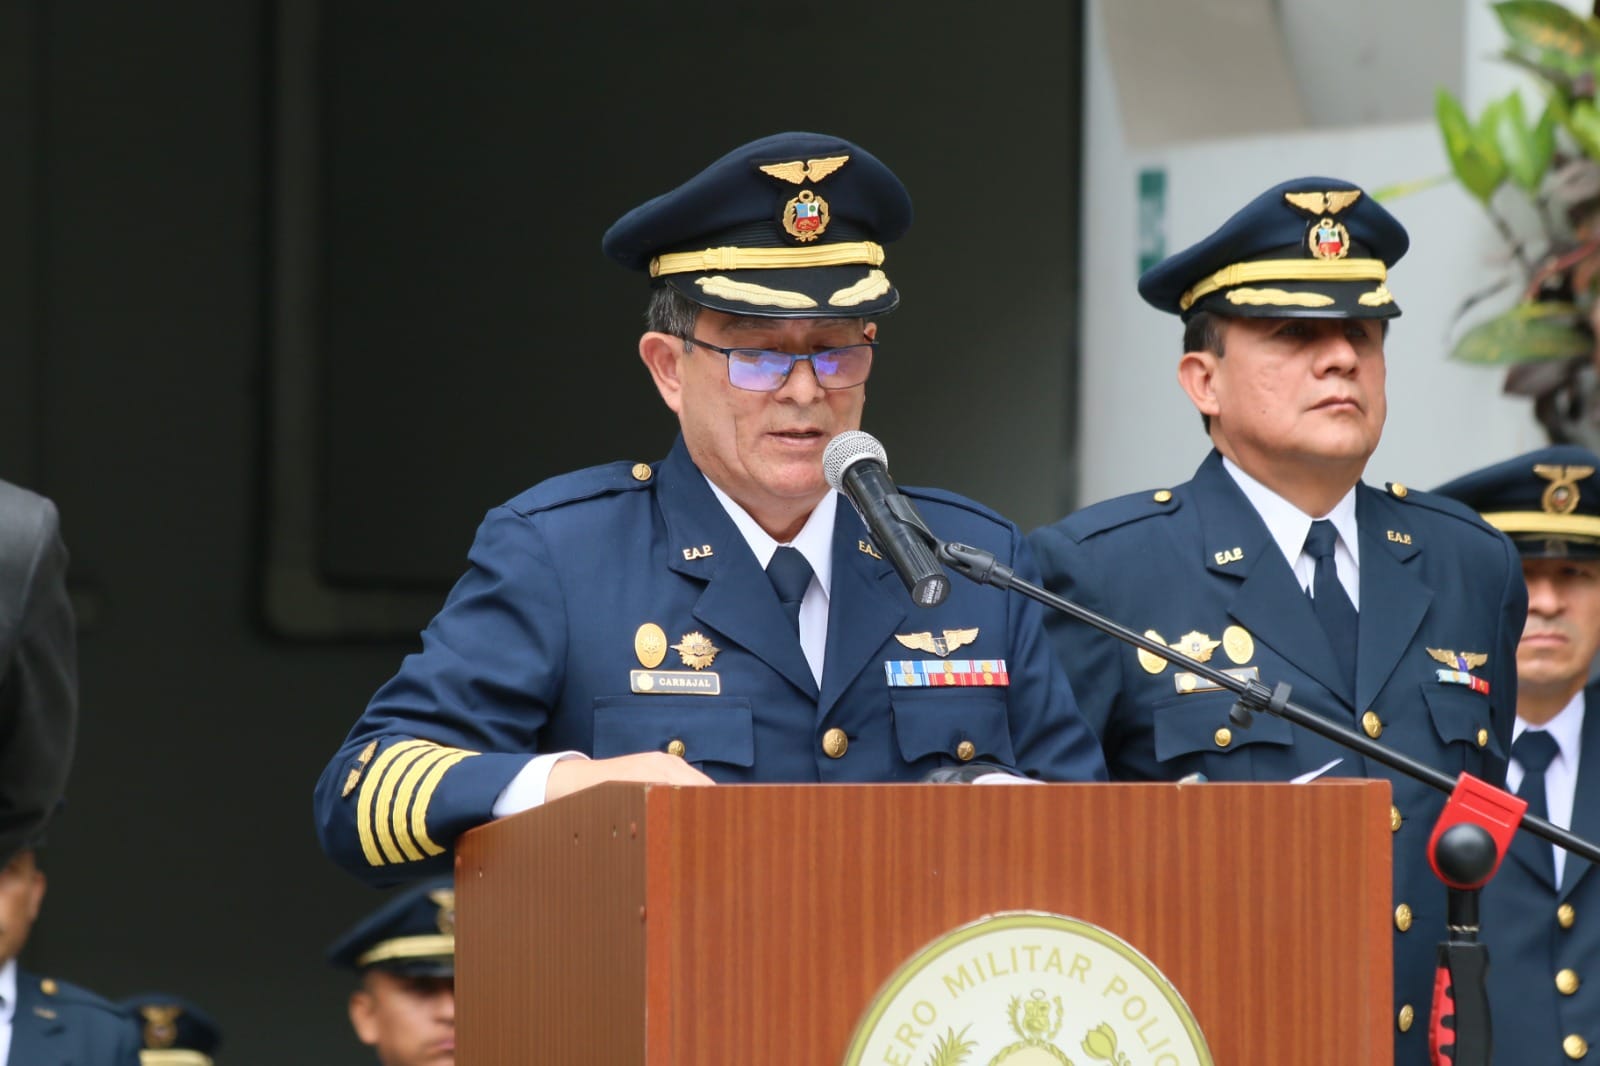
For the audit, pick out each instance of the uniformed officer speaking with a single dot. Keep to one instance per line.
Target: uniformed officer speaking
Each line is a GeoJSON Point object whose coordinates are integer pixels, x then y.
{"type": "Point", "coordinates": [1541, 912]}
{"type": "Point", "coordinates": [1392, 610]}
{"type": "Point", "coordinates": [718, 615]}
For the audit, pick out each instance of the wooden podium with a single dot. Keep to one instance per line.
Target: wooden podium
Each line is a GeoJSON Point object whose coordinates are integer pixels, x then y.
{"type": "Point", "coordinates": [754, 924]}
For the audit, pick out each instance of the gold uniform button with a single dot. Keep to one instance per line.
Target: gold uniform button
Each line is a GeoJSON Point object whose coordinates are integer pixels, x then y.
{"type": "Point", "coordinates": [641, 471]}
{"type": "Point", "coordinates": [1223, 737]}
{"type": "Point", "coordinates": [1483, 738]}
{"type": "Point", "coordinates": [48, 986]}
{"type": "Point", "coordinates": [834, 743]}
{"type": "Point", "coordinates": [965, 750]}
{"type": "Point", "coordinates": [1402, 917]}
{"type": "Point", "coordinates": [1398, 489]}
{"type": "Point", "coordinates": [1575, 1046]}
{"type": "Point", "coordinates": [1372, 725]}
{"type": "Point", "coordinates": [1162, 496]}
{"type": "Point", "coordinates": [1567, 982]}
{"type": "Point", "coordinates": [675, 747]}
{"type": "Point", "coordinates": [1405, 1018]}
{"type": "Point", "coordinates": [1395, 821]}
{"type": "Point", "coordinates": [1565, 916]}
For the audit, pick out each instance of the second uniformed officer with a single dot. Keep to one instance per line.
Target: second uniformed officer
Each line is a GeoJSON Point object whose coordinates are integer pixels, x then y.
{"type": "Point", "coordinates": [405, 953]}
{"type": "Point", "coordinates": [719, 615]}
{"type": "Point", "coordinates": [1541, 912]}
{"type": "Point", "coordinates": [1277, 562]}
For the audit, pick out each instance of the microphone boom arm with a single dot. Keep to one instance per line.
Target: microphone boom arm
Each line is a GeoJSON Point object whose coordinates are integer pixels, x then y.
{"type": "Point", "coordinates": [982, 567]}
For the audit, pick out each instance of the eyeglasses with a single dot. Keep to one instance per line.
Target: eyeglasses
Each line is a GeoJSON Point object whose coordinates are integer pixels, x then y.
{"type": "Point", "coordinates": [762, 370]}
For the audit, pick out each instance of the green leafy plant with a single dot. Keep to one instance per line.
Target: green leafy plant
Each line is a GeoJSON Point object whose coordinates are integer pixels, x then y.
{"type": "Point", "coordinates": [1547, 339]}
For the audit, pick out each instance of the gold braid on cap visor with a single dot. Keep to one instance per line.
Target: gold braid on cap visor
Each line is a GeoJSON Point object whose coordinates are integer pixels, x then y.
{"type": "Point", "coordinates": [846, 254]}
{"type": "Point", "coordinates": [409, 947]}
{"type": "Point", "coordinates": [1286, 270]}
{"type": "Point", "coordinates": [1578, 525]}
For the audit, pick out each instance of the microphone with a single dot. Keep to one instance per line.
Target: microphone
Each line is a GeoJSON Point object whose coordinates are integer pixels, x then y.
{"type": "Point", "coordinates": [855, 464]}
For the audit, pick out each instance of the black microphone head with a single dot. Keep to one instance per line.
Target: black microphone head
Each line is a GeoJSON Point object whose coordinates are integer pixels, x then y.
{"type": "Point", "coordinates": [846, 449]}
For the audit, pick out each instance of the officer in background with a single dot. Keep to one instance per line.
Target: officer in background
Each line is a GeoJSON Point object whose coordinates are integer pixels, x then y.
{"type": "Point", "coordinates": [718, 616]}
{"type": "Point", "coordinates": [43, 1021]}
{"type": "Point", "coordinates": [174, 1031]}
{"type": "Point", "coordinates": [1276, 562]}
{"type": "Point", "coordinates": [405, 954]}
{"type": "Point", "coordinates": [1541, 912]}
{"type": "Point", "coordinates": [38, 667]}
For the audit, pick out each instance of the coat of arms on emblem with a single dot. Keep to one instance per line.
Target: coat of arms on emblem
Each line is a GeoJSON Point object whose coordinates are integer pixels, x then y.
{"type": "Point", "coordinates": [160, 1025]}
{"type": "Point", "coordinates": [806, 216]}
{"type": "Point", "coordinates": [445, 900]}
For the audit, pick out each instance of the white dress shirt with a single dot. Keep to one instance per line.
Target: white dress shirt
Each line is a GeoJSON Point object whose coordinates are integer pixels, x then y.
{"type": "Point", "coordinates": [1561, 776]}
{"type": "Point", "coordinates": [1289, 526]}
{"type": "Point", "coordinates": [8, 1007]}
{"type": "Point", "coordinates": [814, 541]}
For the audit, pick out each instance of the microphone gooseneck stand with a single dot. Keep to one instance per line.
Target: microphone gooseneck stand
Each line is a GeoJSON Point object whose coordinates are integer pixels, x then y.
{"type": "Point", "coordinates": [1469, 839]}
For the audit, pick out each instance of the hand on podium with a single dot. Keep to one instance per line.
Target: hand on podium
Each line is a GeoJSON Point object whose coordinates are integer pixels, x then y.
{"type": "Point", "coordinates": [655, 767]}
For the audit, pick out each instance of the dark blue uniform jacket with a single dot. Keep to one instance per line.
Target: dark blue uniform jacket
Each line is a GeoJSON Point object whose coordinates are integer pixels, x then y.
{"type": "Point", "coordinates": [536, 647]}
{"type": "Point", "coordinates": [1535, 931]}
{"type": "Point", "coordinates": [58, 1024]}
{"type": "Point", "coordinates": [1196, 565]}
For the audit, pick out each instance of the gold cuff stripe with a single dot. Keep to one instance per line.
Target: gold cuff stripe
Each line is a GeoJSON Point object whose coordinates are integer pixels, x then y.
{"type": "Point", "coordinates": [711, 259]}
{"type": "Point", "coordinates": [391, 812]}
{"type": "Point", "coordinates": [404, 792]}
{"type": "Point", "coordinates": [419, 809]}
{"type": "Point", "coordinates": [1540, 522]}
{"type": "Point", "coordinates": [369, 788]}
{"type": "Point", "coordinates": [173, 1057]}
{"type": "Point", "coordinates": [383, 806]}
{"type": "Point", "coordinates": [409, 947]}
{"type": "Point", "coordinates": [1286, 270]}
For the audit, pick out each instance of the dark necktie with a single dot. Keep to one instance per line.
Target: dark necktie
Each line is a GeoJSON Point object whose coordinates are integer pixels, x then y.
{"type": "Point", "coordinates": [1330, 601]}
{"type": "Point", "coordinates": [1534, 750]}
{"type": "Point", "coordinates": [790, 574]}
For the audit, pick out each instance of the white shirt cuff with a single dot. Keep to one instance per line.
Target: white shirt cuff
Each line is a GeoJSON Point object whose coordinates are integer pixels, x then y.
{"type": "Point", "coordinates": [526, 790]}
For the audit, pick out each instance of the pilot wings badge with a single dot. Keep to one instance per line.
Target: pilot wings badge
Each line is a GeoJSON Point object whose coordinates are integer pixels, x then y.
{"type": "Point", "coordinates": [1467, 660]}
{"type": "Point", "coordinates": [942, 645]}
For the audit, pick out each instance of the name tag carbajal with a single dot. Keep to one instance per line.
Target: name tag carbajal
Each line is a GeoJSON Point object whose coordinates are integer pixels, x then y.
{"type": "Point", "coordinates": [675, 682]}
{"type": "Point", "coordinates": [1028, 987]}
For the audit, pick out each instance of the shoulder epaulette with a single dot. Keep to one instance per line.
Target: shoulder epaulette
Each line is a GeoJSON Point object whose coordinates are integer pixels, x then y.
{"type": "Point", "coordinates": [950, 499]}
{"type": "Point", "coordinates": [1110, 514]}
{"type": "Point", "coordinates": [66, 993]}
{"type": "Point", "coordinates": [1432, 501]}
{"type": "Point", "coordinates": [582, 485]}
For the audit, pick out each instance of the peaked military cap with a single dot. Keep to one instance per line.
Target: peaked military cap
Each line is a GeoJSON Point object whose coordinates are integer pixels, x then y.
{"type": "Point", "coordinates": [172, 1031]}
{"type": "Point", "coordinates": [789, 226]}
{"type": "Point", "coordinates": [1547, 501]}
{"type": "Point", "coordinates": [412, 934]}
{"type": "Point", "coordinates": [1307, 248]}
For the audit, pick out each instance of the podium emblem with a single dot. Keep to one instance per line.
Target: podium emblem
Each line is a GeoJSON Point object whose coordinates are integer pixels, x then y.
{"type": "Point", "coordinates": [1028, 989]}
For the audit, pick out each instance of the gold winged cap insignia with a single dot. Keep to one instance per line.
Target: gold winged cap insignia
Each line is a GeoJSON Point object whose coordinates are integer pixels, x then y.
{"type": "Point", "coordinates": [808, 170]}
{"type": "Point", "coordinates": [1320, 203]}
